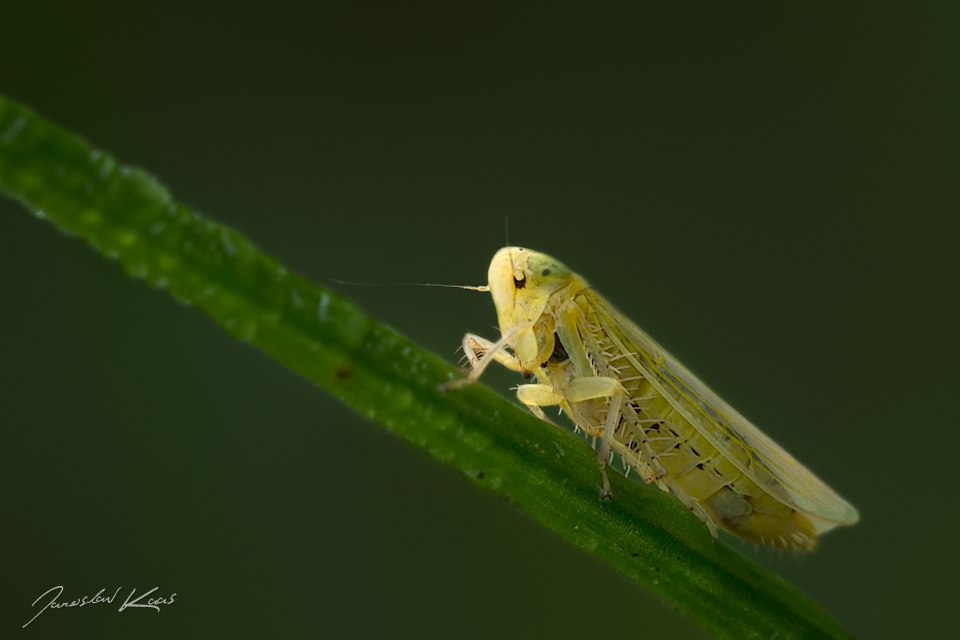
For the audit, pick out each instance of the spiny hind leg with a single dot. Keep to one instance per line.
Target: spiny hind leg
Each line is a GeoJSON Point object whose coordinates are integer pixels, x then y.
{"type": "Point", "coordinates": [595, 388]}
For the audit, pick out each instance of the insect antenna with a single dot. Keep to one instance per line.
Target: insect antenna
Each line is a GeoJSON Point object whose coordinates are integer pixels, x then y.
{"type": "Point", "coordinates": [484, 288]}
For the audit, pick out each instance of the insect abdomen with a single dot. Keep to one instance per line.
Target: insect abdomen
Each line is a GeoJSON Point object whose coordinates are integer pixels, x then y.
{"type": "Point", "coordinates": [695, 468]}
{"type": "Point", "coordinates": [663, 445]}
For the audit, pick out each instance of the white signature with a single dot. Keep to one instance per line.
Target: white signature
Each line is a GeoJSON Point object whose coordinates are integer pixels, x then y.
{"type": "Point", "coordinates": [152, 603]}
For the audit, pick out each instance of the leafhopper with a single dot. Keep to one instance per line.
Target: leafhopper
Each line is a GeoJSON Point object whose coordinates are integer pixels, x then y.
{"type": "Point", "coordinates": [619, 386]}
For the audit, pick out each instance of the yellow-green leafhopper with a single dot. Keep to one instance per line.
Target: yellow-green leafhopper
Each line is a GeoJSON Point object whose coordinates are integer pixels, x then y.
{"type": "Point", "coordinates": [615, 382]}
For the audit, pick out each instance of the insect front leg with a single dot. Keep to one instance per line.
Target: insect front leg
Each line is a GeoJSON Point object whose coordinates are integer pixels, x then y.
{"type": "Point", "coordinates": [476, 349]}
{"type": "Point", "coordinates": [480, 352]}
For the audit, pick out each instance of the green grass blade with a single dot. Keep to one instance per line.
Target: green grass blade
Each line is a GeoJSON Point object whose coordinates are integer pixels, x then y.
{"type": "Point", "coordinates": [546, 472]}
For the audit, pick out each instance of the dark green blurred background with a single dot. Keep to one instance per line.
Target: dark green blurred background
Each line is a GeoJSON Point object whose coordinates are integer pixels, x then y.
{"type": "Point", "coordinates": [772, 193]}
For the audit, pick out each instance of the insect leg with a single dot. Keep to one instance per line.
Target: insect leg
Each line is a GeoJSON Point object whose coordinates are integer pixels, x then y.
{"type": "Point", "coordinates": [588, 385]}
{"type": "Point", "coordinates": [594, 388]}
{"type": "Point", "coordinates": [535, 396]}
{"type": "Point", "coordinates": [476, 348]}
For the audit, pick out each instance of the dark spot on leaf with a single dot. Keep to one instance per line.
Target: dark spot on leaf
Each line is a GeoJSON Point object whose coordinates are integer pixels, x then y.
{"type": "Point", "coordinates": [480, 475]}
{"type": "Point", "coordinates": [634, 555]}
{"type": "Point", "coordinates": [343, 372]}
